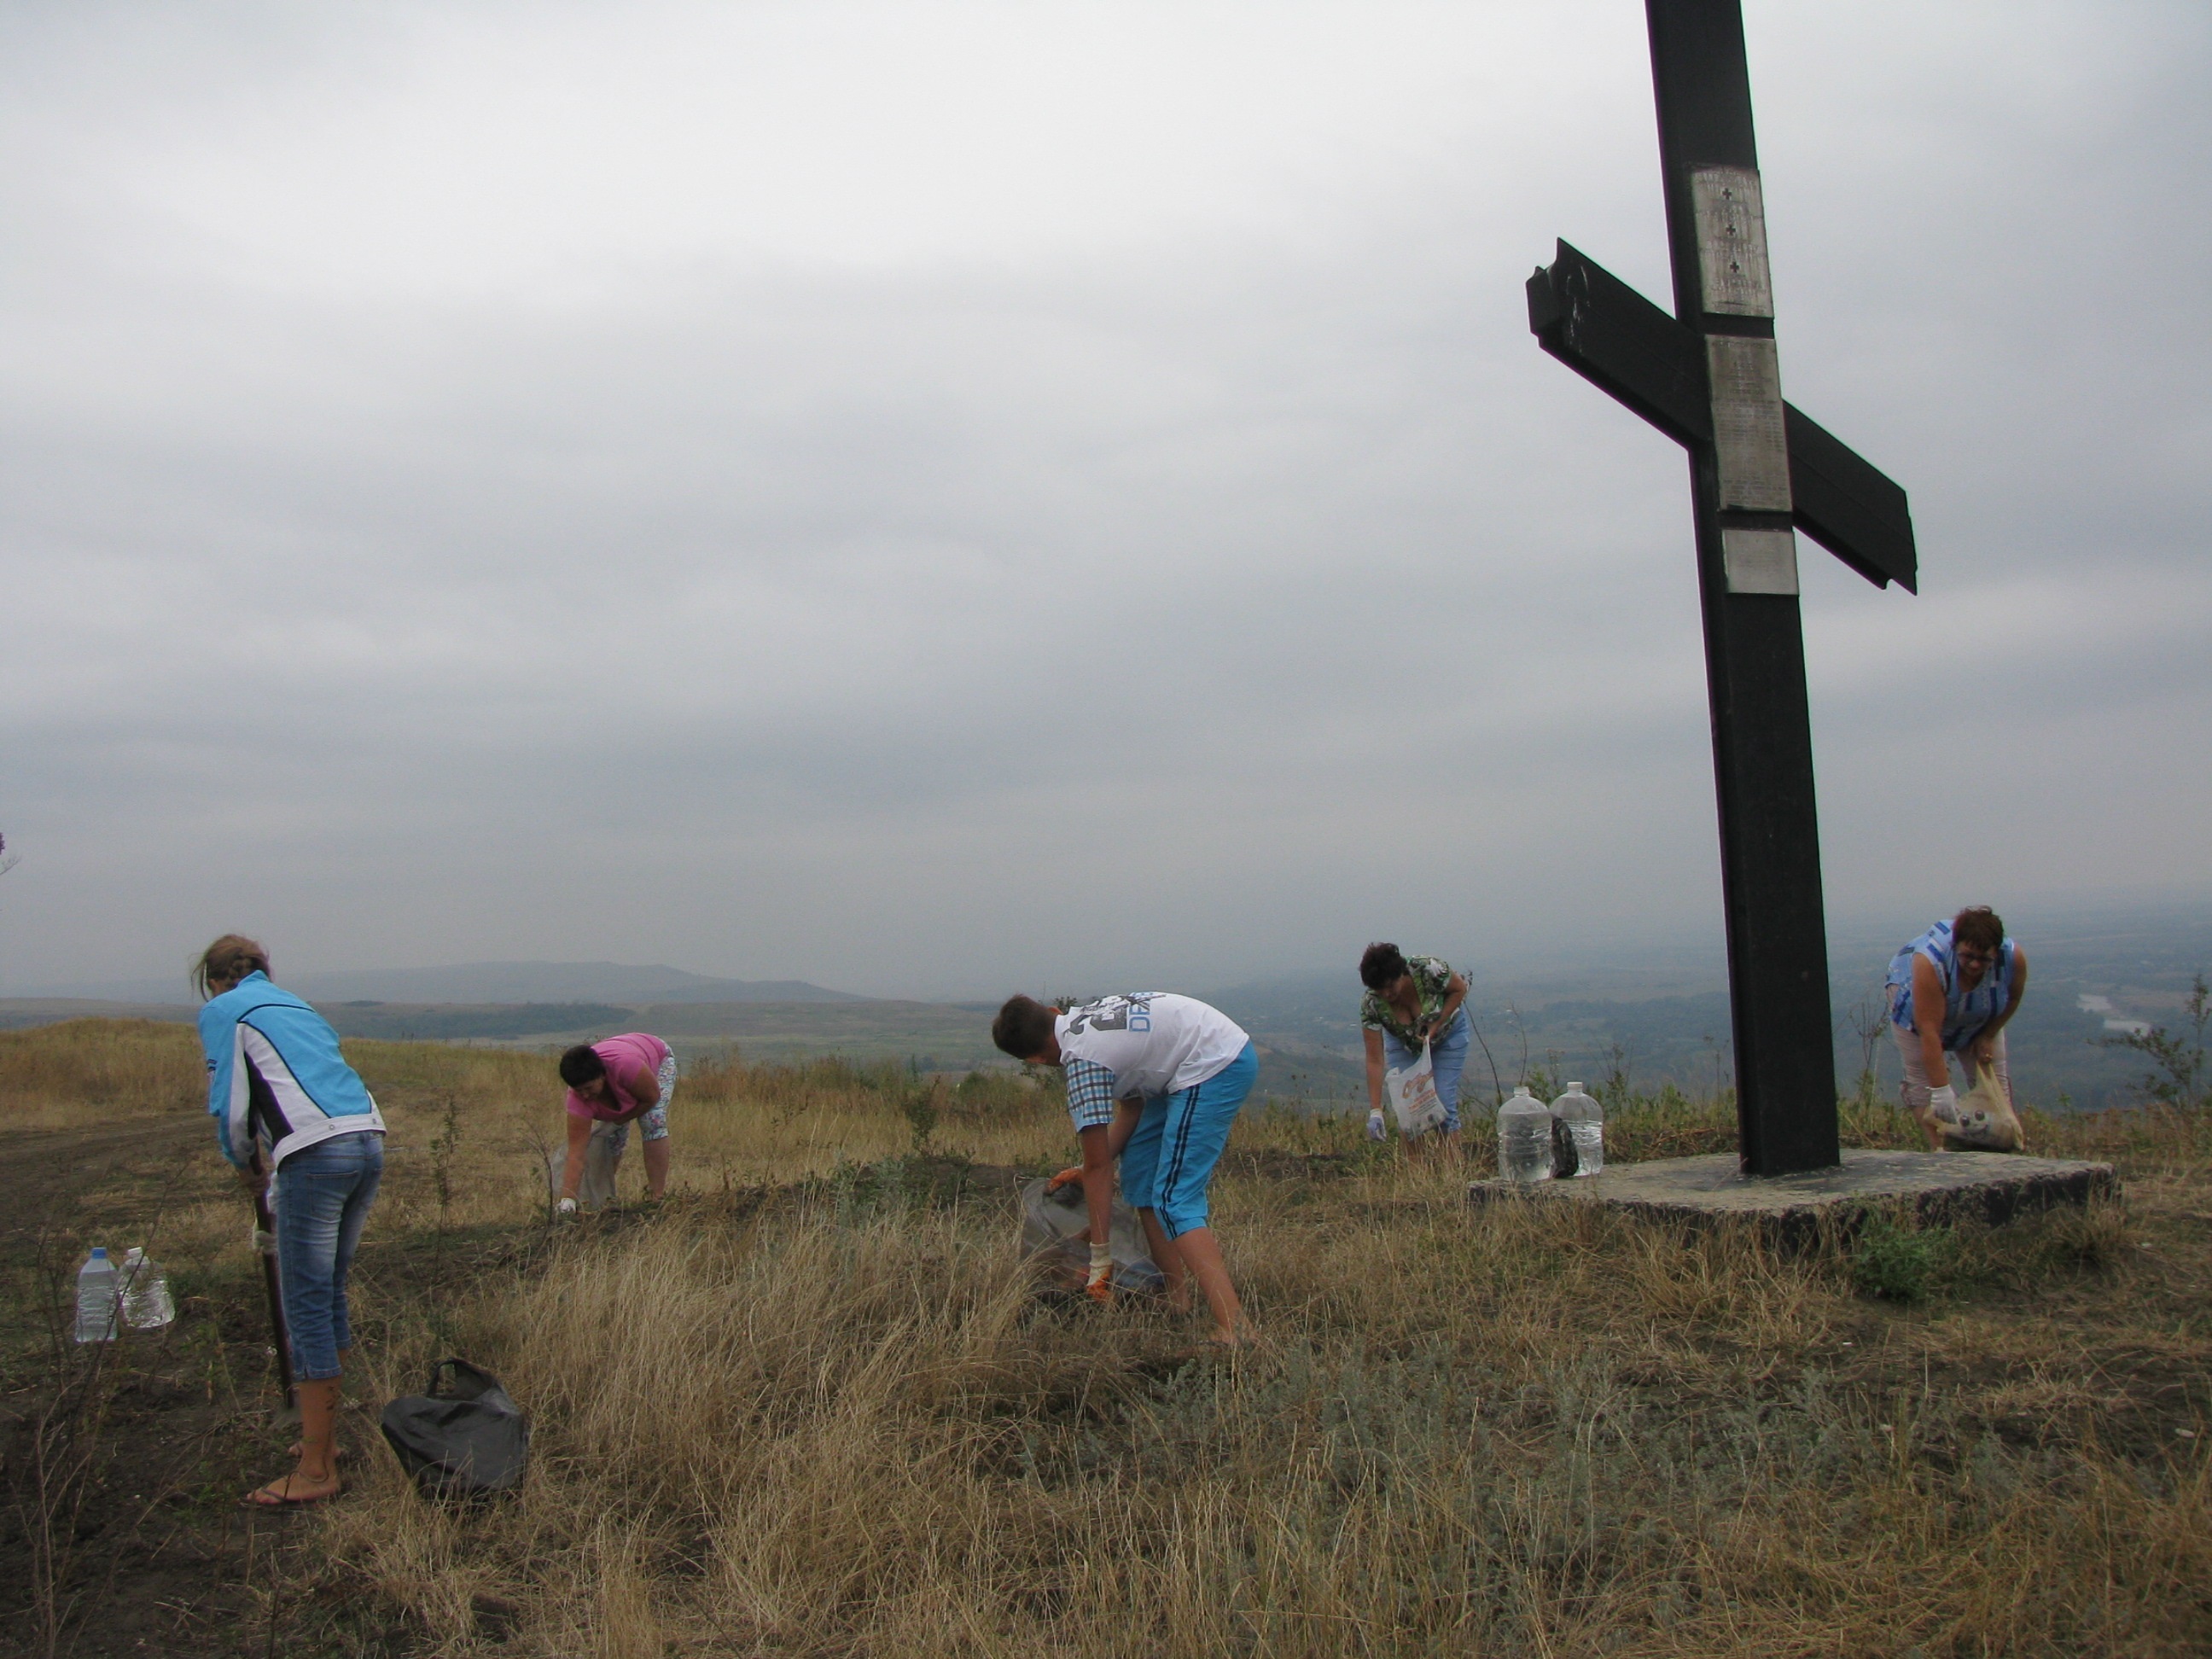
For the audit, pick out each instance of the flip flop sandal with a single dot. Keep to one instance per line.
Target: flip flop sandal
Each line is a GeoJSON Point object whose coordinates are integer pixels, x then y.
{"type": "Point", "coordinates": [261, 1497]}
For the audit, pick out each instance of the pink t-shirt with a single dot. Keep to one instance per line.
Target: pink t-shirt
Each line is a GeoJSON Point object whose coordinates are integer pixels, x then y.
{"type": "Point", "coordinates": [621, 1055]}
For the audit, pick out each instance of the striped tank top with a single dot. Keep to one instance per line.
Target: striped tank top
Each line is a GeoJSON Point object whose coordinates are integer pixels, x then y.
{"type": "Point", "coordinates": [1965, 1012]}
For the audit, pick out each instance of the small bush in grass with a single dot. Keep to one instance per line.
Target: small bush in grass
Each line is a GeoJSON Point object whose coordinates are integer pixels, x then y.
{"type": "Point", "coordinates": [920, 1110]}
{"type": "Point", "coordinates": [1899, 1263]}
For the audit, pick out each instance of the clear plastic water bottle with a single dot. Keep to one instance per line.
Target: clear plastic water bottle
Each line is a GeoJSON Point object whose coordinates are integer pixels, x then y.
{"type": "Point", "coordinates": [95, 1299]}
{"type": "Point", "coordinates": [147, 1304]}
{"type": "Point", "coordinates": [1524, 1138]}
{"type": "Point", "coordinates": [1585, 1120]}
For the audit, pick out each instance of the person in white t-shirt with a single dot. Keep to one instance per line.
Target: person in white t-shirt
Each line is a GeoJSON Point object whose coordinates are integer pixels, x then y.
{"type": "Point", "coordinates": [1155, 1079]}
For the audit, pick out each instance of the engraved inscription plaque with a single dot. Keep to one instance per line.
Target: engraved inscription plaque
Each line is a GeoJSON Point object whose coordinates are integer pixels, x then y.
{"type": "Point", "coordinates": [1732, 241]}
{"type": "Point", "coordinates": [1759, 561]}
{"type": "Point", "coordinates": [1753, 445]}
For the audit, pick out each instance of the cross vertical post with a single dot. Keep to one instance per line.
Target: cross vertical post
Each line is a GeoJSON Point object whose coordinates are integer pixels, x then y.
{"type": "Point", "coordinates": [1760, 471]}
{"type": "Point", "coordinates": [1777, 945]}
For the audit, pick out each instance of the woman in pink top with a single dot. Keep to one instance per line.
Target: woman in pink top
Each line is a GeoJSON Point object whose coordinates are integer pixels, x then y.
{"type": "Point", "coordinates": [618, 1080]}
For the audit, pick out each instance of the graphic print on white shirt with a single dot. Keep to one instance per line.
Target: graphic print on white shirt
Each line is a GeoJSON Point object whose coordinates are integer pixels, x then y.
{"type": "Point", "coordinates": [1155, 1043]}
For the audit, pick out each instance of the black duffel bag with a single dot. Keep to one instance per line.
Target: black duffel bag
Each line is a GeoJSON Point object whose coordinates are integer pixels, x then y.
{"type": "Point", "coordinates": [466, 1436]}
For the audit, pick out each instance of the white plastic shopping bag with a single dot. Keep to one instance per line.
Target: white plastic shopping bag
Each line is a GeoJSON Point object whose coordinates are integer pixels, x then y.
{"type": "Point", "coordinates": [1413, 1097]}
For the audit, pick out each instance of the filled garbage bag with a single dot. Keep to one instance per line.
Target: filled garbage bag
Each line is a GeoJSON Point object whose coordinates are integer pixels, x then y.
{"type": "Point", "coordinates": [1053, 1225]}
{"type": "Point", "coordinates": [465, 1435]}
{"type": "Point", "coordinates": [1987, 1122]}
{"type": "Point", "coordinates": [596, 1190]}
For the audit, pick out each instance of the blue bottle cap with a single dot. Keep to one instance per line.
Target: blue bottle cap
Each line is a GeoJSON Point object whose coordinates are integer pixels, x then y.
{"type": "Point", "coordinates": [100, 1253]}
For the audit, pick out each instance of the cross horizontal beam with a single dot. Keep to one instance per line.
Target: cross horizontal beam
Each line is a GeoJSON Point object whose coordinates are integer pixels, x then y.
{"type": "Point", "coordinates": [1619, 341]}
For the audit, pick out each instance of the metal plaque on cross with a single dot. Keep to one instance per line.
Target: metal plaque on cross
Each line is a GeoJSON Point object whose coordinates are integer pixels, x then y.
{"type": "Point", "coordinates": [1761, 471]}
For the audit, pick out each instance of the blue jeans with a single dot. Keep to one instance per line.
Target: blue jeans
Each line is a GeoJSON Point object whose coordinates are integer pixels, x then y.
{"type": "Point", "coordinates": [1447, 1060]}
{"type": "Point", "coordinates": [322, 1196]}
{"type": "Point", "coordinates": [1168, 1162]}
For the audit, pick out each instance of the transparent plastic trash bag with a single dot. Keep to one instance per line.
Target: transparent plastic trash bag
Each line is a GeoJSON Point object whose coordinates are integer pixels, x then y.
{"type": "Point", "coordinates": [1053, 1228]}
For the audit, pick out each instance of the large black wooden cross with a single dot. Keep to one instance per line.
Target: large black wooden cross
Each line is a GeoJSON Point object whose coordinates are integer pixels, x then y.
{"type": "Point", "coordinates": [1759, 471]}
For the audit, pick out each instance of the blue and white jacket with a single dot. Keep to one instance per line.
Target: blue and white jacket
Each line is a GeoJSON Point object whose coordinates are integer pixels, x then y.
{"type": "Point", "coordinates": [1965, 1012]}
{"type": "Point", "coordinates": [275, 1074]}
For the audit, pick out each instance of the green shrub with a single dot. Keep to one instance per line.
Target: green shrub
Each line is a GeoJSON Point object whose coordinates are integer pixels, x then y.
{"type": "Point", "coordinates": [920, 1110]}
{"type": "Point", "coordinates": [1902, 1264]}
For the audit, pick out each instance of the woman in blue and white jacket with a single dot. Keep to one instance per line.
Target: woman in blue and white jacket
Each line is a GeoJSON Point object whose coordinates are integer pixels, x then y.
{"type": "Point", "coordinates": [285, 1105]}
{"type": "Point", "coordinates": [1951, 991]}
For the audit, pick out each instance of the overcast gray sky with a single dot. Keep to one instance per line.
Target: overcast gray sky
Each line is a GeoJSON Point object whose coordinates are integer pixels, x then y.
{"type": "Point", "coordinates": [939, 498]}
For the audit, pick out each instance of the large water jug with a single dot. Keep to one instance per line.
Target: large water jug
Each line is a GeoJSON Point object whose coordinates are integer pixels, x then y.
{"type": "Point", "coordinates": [147, 1304]}
{"type": "Point", "coordinates": [1583, 1120]}
{"type": "Point", "coordinates": [95, 1299]}
{"type": "Point", "coordinates": [1524, 1138]}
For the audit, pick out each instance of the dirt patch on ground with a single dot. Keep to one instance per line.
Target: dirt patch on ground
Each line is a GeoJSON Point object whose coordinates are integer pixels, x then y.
{"type": "Point", "coordinates": [101, 1171]}
{"type": "Point", "coordinates": [123, 1462]}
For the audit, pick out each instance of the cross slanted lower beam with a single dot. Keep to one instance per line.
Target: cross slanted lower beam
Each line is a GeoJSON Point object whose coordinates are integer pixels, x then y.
{"type": "Point", "coordinates": [1760, 471]}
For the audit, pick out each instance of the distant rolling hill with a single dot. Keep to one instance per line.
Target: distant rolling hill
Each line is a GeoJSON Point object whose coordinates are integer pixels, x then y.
{"type": "Point", "coordinates": [617, 982]}
{"type": "Point", "coordinates": [554, 981]}
{"type": "Point", "coordinates": [937, 1036]}
{"type": "Point", "coordinates": [1662, 1016]}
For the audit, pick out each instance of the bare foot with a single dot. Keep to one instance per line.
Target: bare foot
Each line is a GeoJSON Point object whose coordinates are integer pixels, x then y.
{"type": "Point", "coordinates": [289, 1491]}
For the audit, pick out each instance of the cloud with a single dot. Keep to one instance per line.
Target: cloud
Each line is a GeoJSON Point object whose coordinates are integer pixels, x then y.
{"type": "Point", "coordinates": [928, 499]}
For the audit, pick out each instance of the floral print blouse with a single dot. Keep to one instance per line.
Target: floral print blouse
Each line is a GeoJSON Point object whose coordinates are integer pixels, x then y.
{"type": "Point", "coordinates": [1432, 977]}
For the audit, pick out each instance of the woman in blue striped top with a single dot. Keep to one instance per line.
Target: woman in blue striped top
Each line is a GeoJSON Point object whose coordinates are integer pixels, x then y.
{"type": "Point", "coordinates": [297, 1122]}
{"type": "Point", "coordinates": [1953, 990]}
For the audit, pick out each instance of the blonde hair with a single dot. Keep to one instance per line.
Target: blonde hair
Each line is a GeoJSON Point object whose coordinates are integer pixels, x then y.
{"type": "Point", "coordinates": [226, 961]}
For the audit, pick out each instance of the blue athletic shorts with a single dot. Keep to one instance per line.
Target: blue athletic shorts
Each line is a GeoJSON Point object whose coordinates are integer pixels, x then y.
{"type": "Point", "coordinates": [1170, 1160]}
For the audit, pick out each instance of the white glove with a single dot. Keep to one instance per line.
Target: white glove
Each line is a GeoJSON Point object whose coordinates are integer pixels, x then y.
{"type": "Point", "coordinates": [1375, 1125]}
{"type": "Point", "coordinates": [1101, 1285]}
{"type": "Point", "coordinates": [264, 1243]}
{"type": "Point", "coordinates": [1943, 1104]}
{"type": "Point", "coordinates": [565, 1207]}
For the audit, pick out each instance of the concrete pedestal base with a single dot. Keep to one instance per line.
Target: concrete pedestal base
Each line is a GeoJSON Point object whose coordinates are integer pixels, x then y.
{"type": "Point", "coordinates": [1936, 1186]}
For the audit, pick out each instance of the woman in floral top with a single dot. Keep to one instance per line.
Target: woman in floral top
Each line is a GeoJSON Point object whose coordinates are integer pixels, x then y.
{"type": "Point", "coordinates": [1411, 1001]}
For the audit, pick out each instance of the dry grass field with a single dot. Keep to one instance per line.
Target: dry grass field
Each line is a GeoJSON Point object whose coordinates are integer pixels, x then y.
{"type": "Point", "coordinates": [813, 1404]}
